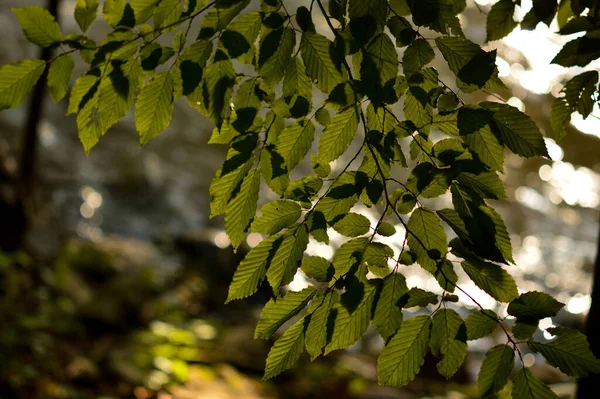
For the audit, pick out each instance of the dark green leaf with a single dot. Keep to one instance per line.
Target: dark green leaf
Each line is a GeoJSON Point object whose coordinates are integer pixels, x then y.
{"type": "Point", "coordinates": [388, 314]}
{"type": "Point", "coordinates": [428, 239]}
{"type": "Point", "coordinates": [578, 52]}
{"type": "Point", "coordinates": [560, 117]}
{"type": "Point", "coordinates": [481, 323]}
{"type": "Point", "coordinates": [352, 225]}
{"type": "Point", "coordinates": [416, 56]}
{"type": "Point", "coordinates": [279, 310]}
{"type": "Point", "coordinates": [491, 278]}
{"type": "Point", "coordinates": [402, 358]}
{"type": "Point", "coordinates": [569, 352]}
{"type": "Point", "coordinates": [534, 305]}
{"type": "Point", "coordinates": [527, 386]}
{"type": "Point", "coordinates": [448, 341]}
{"type": "Point", "coordinates": [500, 20]}
{"type": "Point", "coordinates": [497, 366]}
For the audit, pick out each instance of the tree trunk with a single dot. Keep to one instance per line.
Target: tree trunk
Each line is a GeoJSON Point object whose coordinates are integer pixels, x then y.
{"type": "Point", "coordinates": [16, 199]}
{"type": "Point", "coordinates": [588, 386]}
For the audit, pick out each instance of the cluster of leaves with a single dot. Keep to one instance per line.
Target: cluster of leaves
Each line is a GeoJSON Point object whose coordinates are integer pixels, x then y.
{"type": "Point", "coordinates": [270, 118]}
{"type": "Point", "coordinates": [580, 17]}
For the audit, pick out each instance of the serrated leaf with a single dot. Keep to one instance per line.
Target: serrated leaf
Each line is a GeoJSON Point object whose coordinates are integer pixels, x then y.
{"type": "Point", "coordinates": [316, 333]}
{"type": "Point", "coordinates": [294, 142]}
{"type": "Point", "coordinates": [516, 130]}
{"type": "Point", "coordinates": [338, 135]}
{"type": "Point", "coordinates": [418, 297]}
{"type": "Point", "coordinates": [497, 365]}
{"type": "Point", "coordinates": [240, 36]}
{"type": "Point", "coordinates": [560, 117]}
{"type": "Point", "coordinates": [448, 341]}
{"type": "Point", "coordinates": [352, 321]}
{"type": "Point", "coordinates": [352, 225]}
{"type": "Point", "coordinates": [534, 305]}
{"type": "Point", "coordinates": [402, 358]}
{"type": "Point", "coordinates": [116, 94]}
{"type": "Point", "coordinates": [527, 386]}
{"type": "Point", "coordinates": [418, 54]}
{"type": "Point", "coordinates": [241, 208]}
{"type": "Point", "coordinates": [481, 323]}
{"type": "Point", "coordinates": [500, 20]}
{"type": "Point", "coordinates": [388, 314]}
{"type": "Point", "coordinates": [578, 52]}
{"type": "Point", "coordinates": [417, 108]}
{"type": "Point", "coordinates": [569, 352]}
{"type": "Point", "coordinates": [219, 17]}
{"type": "Point", "coordinates": [279, 310]}
{"type": "Point", "coordinates": [143, 10]}
{"type": "Point", "coordinates": [17, 80]}
{"type": "Point", "coordinates": [286, 351]}
{"type": "Point", "coordinates": [486, 184]}
{"type": "Point", "coordinates": [376, 257]}
{"type": "Point", "coordinates": [349, 254]}
{"type": "Point", "coordinates": [427, 238]}
{"type": "Point", "coordinates": [252, 270]}
{"type": "Point", "coordinates": [316, 51]}
{"type": "Point", "coordinates": [154, 107]}
{"type": "Point", "coordinates": [288, 257]}
{"type": "Point", "coordinates": [275, 53]}
{"type": "Point", "coordinates": [85, 13]}
{"type": "Point", "coordinates": [167, 13]}
{"type": "Point", "coordinates": [491, 278]}
{"type": "Point", "coordinates": [318, 268]}
{"type": "Point", "coordinates": [525, 328]}
{"type": "Point", "coordinates": [303, 190]}
{"type": "Point", "coordinates": [39, 26]}
{"type": "Point", "coordinates": [216, 88]}
{"type": "Point", "coordinates": [374, 8]}
{"type": "Point", "coordinates": [579, 92]}
{"type": "Point", "coordinates": [275, 216]}
{"type": "Point", "coordinates": [487, 147]}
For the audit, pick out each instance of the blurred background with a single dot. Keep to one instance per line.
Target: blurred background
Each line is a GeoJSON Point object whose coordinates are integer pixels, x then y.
{"type": "Point", "coordinates": [114, 287]}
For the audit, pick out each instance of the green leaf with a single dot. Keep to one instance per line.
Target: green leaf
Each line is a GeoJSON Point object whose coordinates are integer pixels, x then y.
{"type": "Point", "coordinates": [378, 9]}
{"type": "Point", "coordinates": [376, 257]}
{"type": "Point", "coordinates": [448, 341]}
{"type": "Point", "coordinates": [275, 53]}
{"type": "Point", "coordinates": [418, 297]}
{"type": "Point", "coordinates": [486, 184]}
{"type": "Point", "coordinates": [500, 20]}
{"type": "Point", "coordinates": [85, 13]}
{"type": "Point", "coordinates": [275, 216]}
{"type": "Point", "coordinates": [349, 254]}
{"type": "Point", "coordinates": [353, 315]}
{"type": "Point", "coordinates": [527, 386]}
{"type": "Point", "coordinates": [118, 13]}
{"type": "Point", "coordinates": [240, 36]}
{"type": "Point", "coordinates": [279, 310]}
{"type": "Point", "coordinates": [416, 56]}
{"type": "Point", "coordinates": [491, 278]}
{"type": "Point", "coordinates": [388, 314]}
{"type": "Point", "coordinates": [579, 92]}
{"type": "Point", "coordinates": [318, 268]}
{"type": "Point", "coordinates": [241, 208]}
{"type": "Point", "coordinates": [497, 365]}
{"type": "Point", "coordinates": [286, 350]}
{"type": "Point", "coordinates": [402, 358]}
{"type": "Point", "coordinates": [316, 51]}
{"type": "Point", "coordinates": [481, 323]}
{"type": "Point", "coordinates": [417, 108]}
{"type": "Point", "coordinates": [322, 117]}
{"type": "Point", "coordinates": [217, 87]}
{"type": "Point", "coordinates": [428, 239]}
{"type": "Point", "coordinates": [469, 62]}
{"type": "Point", "coordinates": [525, 328]}
{"type": "Point", "coordinates": [304, 190]}
{"type": "Point", "coordinates": [116, 94]}
{"type": "Point", "coordinates": [316, 333]}
{"type": "Point", "coordinates": [560, 117]}
{"type": "Point", "coordinates": [569, 352]}
{"type": "Point", "coordinates": [534, 305]}
{"type": "Point", "coordinates": [154, 107]}
{"type": "Point", "coordinates": [578, 52]}
{"type": "Point", "coordinates": [252, 270]}
{"type": "Point", "coordinates": [219, 17]}
{"type": "Point", "coordinates": [295, 141]}
{"type": "Point", "coordinates": [386, 229]}
{"type": "Point", "coordinates": [296, 80]}
{"type": "Point", "coordinates": [59, 75]}
{"type": "Point", "coordinates": [167, 13]}
{"type": "Point", "coordinates": [143, 10]}
{"type": "Point", "coordinates": [17, 80]}
{"type": "Point", "coordinates": [338, 135]}
{"type": "Point", "coordinates": [340, 198]}
{"type": "Point", "coordinates": [352, 225]}
{"type": "Point", "coordinates": [288, 257]}
{"type": "Point", "coordinates": [516, 130]}
{"type": "Point", "coordinates": [487, 147]}
{"type": "Point", "coordinates": [39, 26]}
